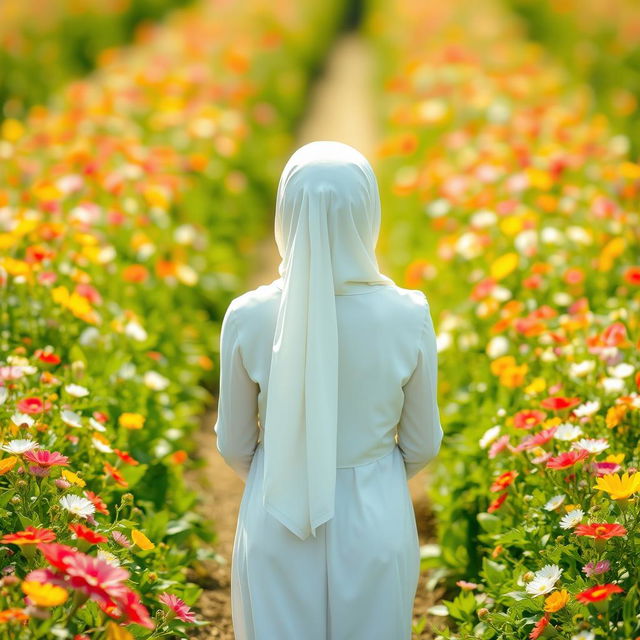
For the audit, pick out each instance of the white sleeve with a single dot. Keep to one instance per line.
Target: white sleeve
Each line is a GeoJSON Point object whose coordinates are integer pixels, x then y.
{"type": "Point", "coordinates": [237, 422]}
{"type": "Point", "coordinates": [419, 429]}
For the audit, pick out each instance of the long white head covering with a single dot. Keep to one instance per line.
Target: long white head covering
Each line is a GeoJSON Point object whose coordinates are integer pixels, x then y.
{"type": "Point", "coordinates": [326, 228]}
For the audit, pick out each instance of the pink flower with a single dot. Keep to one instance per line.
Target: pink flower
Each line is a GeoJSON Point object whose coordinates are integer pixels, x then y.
{"type": "Point", "coordinates": [33, 405]}
{"type": "Point", "coordinates": [537, 440]}
{"type": "Point", "coordinates": [178, 607]}
{"type": "Point", "coordinates": [604, 468]}
{"type": "Point", "coordinates": [121, 539]}
{"type": "Point", "coordinates": [498, 446]}
{"type": "Point", "coordinates": [45, 459]}
{"type": "Point", "coordinates": [567, 459]}
{"type": "Point", "coordinates": [596, 568]}
{"type": "Point", "coordinates": [94, 577]}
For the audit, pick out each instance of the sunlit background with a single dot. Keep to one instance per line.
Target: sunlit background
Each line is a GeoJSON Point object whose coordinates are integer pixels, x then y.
{"type": "Point", "coordinates": [140, 146]}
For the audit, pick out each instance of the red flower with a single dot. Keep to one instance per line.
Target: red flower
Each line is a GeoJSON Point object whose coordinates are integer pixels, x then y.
{"type": "Point", "coordinates": [567, 459]}
{"type": "Point", "coordinates": [602, 531]}
{"type": "Point", "coordinates": [98, 502]}
{"type": "Point", "coordinates": [558, 403]}
{"type": "Point", "coordinates": [85, 533]}
{"type": "Point", "coordinates": [33, 405]}
{"type": "Point", "coordinates": [46, 459]}
{"type": "Point", "coordinates": [47, 357]}
{"type": "Point", "coordinates": [130, 608]}
{"type": "Point", "coordinates": [115, 474]}
{"type": "Point", "coordinates": [528, 418]}
{"type": "Point", "coordinates": [598, 593]}
{"type": "Point", "coordinates": [178, 607]}
{"type": "Point", "coordinates": [614, 335]}
{"type": "Point", "coordinates": [125, 457]}
{"type": "Point", "coordinates": [497, 503]}
{"type": "Point", "coordinates": [539, 627]}
{"type": "Point", "coordinates": [503, 481]}
{"type": "Point", "coordinates": [632, 275]}
{"type": "Point", "coordinates": [31, 535]}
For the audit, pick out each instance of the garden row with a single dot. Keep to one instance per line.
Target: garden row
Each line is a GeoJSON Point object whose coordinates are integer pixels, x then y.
{"type": "Point", "coordinates": [40, 51]}
{"type": "Point", "coordinates": [514, 205]}
{"type": "Point", "coordinates": [127, 206]}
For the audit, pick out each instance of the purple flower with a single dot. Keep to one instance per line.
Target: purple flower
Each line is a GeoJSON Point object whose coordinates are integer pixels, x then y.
{"type": "Point", "coordinates": [596, 569]}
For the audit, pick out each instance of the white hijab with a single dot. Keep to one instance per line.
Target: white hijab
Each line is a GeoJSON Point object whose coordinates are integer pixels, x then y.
{"type": "Point", "coordinates": [326, 228]}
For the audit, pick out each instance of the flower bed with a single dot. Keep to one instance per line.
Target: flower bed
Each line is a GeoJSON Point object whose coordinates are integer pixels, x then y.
{"type": "Point", "coordinates": [514, 206]}
{"type": "Point", "coordinates": [126, 206]}
{"type": "Point", "coordinates": [599, 41]}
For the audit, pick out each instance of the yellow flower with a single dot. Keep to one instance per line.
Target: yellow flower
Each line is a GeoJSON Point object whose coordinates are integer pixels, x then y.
{"type": "Point", "coordinates": [513, 377]}
{"type": "Point", "coordinates": [570, 507]}
{"type": "Point", "coordinates": [44, 595]}
{"type": "Point", "coordinates": [504, 265]}
{"type": "Point", "coordinates": [141, 540]}
{"type": "Point", "coordinates": [615, 457]}
{"type": "Point", "coordinates": [619, 487]}
{"type": "Point", "coordinates": [73, 478]}
{"type": "Point", "coordinates": [615, 415]}
{"type": "Point", "coordinates": [131, 420]}
{"type": "Point", "coordinates": [536, 386]}
{"type": "Point", "coordinates": [6, 464]}
{"type": "Point", "coordinates": [556, 601]}
{"type": "Point", "coordinates": [502, 363]}
{"type": "Point", "coordinates": [116, 632]}
{"type": "Point", "coordinates": [12, 129]}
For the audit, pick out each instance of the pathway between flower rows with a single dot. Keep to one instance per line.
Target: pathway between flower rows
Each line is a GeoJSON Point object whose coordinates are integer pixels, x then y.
{"type": "Point", "coordinates": [340, 108]}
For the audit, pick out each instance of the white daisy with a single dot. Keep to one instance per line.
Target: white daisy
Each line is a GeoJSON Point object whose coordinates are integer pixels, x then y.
{"type": "Point", "coordinates": [18, 447]}
{"type": "Point", "coordinates": [78, 505]}
{"type": "Point", "coordinates": [555, 502]}
{"type": "Point", "coordinates": [544, 580]}
{"type": "Point", "coordinates": [101, 446]}
{"type": "Point", "coordinates": [584, 635]}
{"type": "Point", "coordinates": [108, 557]}
{"type": "Point", "coordinates": [71, 418]}
{"type": "Point", "coordinates": [18, 418]}
{"type": "Point", "coordinates": [613, 385]}
{"type": "Point", "coordinates": [567, 432]}
{"type": "Point", "coordinates": [581, 369]}
{"type": "Point", "coordinates": [572, 519]}
{"type": "Point", "coordinates": [155, 381]}
{"type": "Point", "coordinates": [622, 370]}
{"type": "Point", "coordinates": [587, 408]}
{"type": "Point", "coordinates": [592, 445]}
{"type": "Point", "coordinates": [4, 394]}
{"type": "Point", "coordinates": [96, 426]}
{"type": "Point", "coordinates": [489, 436]}
{"type": "Point", "coordinates": [76, 390]}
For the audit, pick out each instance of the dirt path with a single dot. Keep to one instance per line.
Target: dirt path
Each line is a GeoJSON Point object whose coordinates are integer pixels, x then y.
{"type": "Point", "coordinates": [341, 108]}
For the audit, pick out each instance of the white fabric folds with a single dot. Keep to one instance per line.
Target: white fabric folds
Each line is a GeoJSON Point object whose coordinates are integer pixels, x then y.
{"type": "Point", "coordinates": [327, 222]}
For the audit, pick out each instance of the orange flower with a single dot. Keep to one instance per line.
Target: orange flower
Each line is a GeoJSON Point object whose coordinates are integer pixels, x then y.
{"type": "Point", "coordinates": [31, 535]}
{"type": "Point", "coordinates": [556, 601]}
{"type": "Point", "coordinates": [6, 464]}
{"type": "Point", "coordinates": [141, 540]}
{"type": "Point", "coordinates": [503, 481]}
{"type": "Point", "coordinates": [115, 474]}
{"type": "Point", "coordinates": [13, 615]}
{"type": "Point", "coordinates": [135, 273]}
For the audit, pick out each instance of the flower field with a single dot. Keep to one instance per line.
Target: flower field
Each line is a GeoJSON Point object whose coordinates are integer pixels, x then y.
{"type": "Point", "coordinates": [39, 51]}
{"type": "Point", "coordinates": [513, 203]}
{"type": "Point", "coordinates": [126, 204]}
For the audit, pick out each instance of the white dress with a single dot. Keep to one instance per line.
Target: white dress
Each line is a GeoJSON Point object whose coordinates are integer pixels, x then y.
{"type": "Point", "coordinates": [357, 579]}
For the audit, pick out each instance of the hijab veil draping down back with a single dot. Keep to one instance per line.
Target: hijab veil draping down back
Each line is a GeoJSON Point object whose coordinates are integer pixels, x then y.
{"type": "Point", "coordinates": [327, 222]}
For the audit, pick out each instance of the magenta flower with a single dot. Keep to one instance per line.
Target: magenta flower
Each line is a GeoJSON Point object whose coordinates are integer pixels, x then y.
{"type": "Point", "coordinates": [178, 607]}
{"type": "Point", "coordinates": [46, 459]}
{"type": "Point", "coordinates": [596, 568]}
